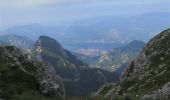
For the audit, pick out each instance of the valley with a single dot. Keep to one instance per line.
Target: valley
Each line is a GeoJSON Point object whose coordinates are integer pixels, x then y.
{"type": "Point", "coordinates": [84, 71]}
{"type": "Point", "coordinates": [113, 59]}
{"type": "Point", "coordinates": [84, 50]}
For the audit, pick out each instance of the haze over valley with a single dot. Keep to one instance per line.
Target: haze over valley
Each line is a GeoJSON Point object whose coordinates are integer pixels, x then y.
{"type": "Point", "coordinates": [84, 50]}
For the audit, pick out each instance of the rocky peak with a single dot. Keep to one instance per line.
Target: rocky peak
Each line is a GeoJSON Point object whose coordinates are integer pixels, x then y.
{"type": "Point", "coordinates": [54, 47]}
{"type": "Point", "coordinates": [64, 62]}
{"type": "Point", "coordinates": [50, 44]}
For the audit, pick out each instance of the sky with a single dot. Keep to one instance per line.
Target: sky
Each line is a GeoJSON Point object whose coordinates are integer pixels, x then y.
{"type": "Point", "coordinates": [58, 12]}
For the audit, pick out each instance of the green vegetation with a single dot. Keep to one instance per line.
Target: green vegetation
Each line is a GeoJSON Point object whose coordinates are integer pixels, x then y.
{"type": "Point", "coordinates": [106, 88]}
{"type": "Point", "coordinates": [150, 77]}
{"type": "Point", "coordinates": [19, 78]}
{"type": "Point", "coordinates": [33, 54]}
{"type": "Point", "coordinates": [78, 78]}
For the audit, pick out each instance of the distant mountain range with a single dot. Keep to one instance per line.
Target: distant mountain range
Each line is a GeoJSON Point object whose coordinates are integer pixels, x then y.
{"type": "Point", "coordinates": [119, 29]}
{"type": "Point", "coordinates": [99, 30]}
{"type": "Point", "coordinates": [18, 41]}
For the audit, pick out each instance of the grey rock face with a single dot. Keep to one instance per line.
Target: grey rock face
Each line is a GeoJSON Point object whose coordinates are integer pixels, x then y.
{"type": "Point", "coordinates": [139, 62]}
{"type": "Point", "coordinates": [50, 83]}
{"type": "Point", "coordinates": [161, 94]}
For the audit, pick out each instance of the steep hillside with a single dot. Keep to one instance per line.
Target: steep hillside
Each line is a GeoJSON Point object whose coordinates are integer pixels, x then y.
{"type": "Point", "coordinates": [79, 79]}
{"type": "Point", "coordinates": [18, 41]}
{"type": "Point", "coordinates": [147, 77]}
{"type": "Point", "coordinates": [66, 64]}
{"type": "Point", "coordinates": [21, 78]}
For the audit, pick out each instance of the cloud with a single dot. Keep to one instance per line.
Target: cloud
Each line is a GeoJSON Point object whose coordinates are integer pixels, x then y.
{"type": "Point", "coordinates": [25, 3]}
{"type": "Point", "coordinates": [37, 3]}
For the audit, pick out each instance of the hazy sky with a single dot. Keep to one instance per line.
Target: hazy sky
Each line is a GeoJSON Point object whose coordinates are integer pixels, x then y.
{"type": "Point", "coordinates": [52, 12]}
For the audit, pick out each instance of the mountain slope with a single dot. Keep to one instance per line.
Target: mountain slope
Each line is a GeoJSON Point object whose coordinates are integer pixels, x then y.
{"type": "Point", "coordinates": [66, 64]}
{"type": "Point", "coordinates": [21, 78]}
{"type": "Point", "coordinates": [148, 75]}
{"type": "Point", "coordinates": [79, 79]}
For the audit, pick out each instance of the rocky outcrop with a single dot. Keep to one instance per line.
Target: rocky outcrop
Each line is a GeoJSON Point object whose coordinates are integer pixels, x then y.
{"type": "Point", "coordinates": [17, 73]}
{"type": "Point", "coordinates": [51, 84]}
{"type": "Point", "coordinates": [161, 94]}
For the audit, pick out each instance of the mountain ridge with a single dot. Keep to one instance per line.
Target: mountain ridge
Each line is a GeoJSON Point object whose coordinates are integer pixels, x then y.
{"type": "Point", "coordinates": [103, 29]}
{"type": "Point", "coordinates": [147, 76]}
